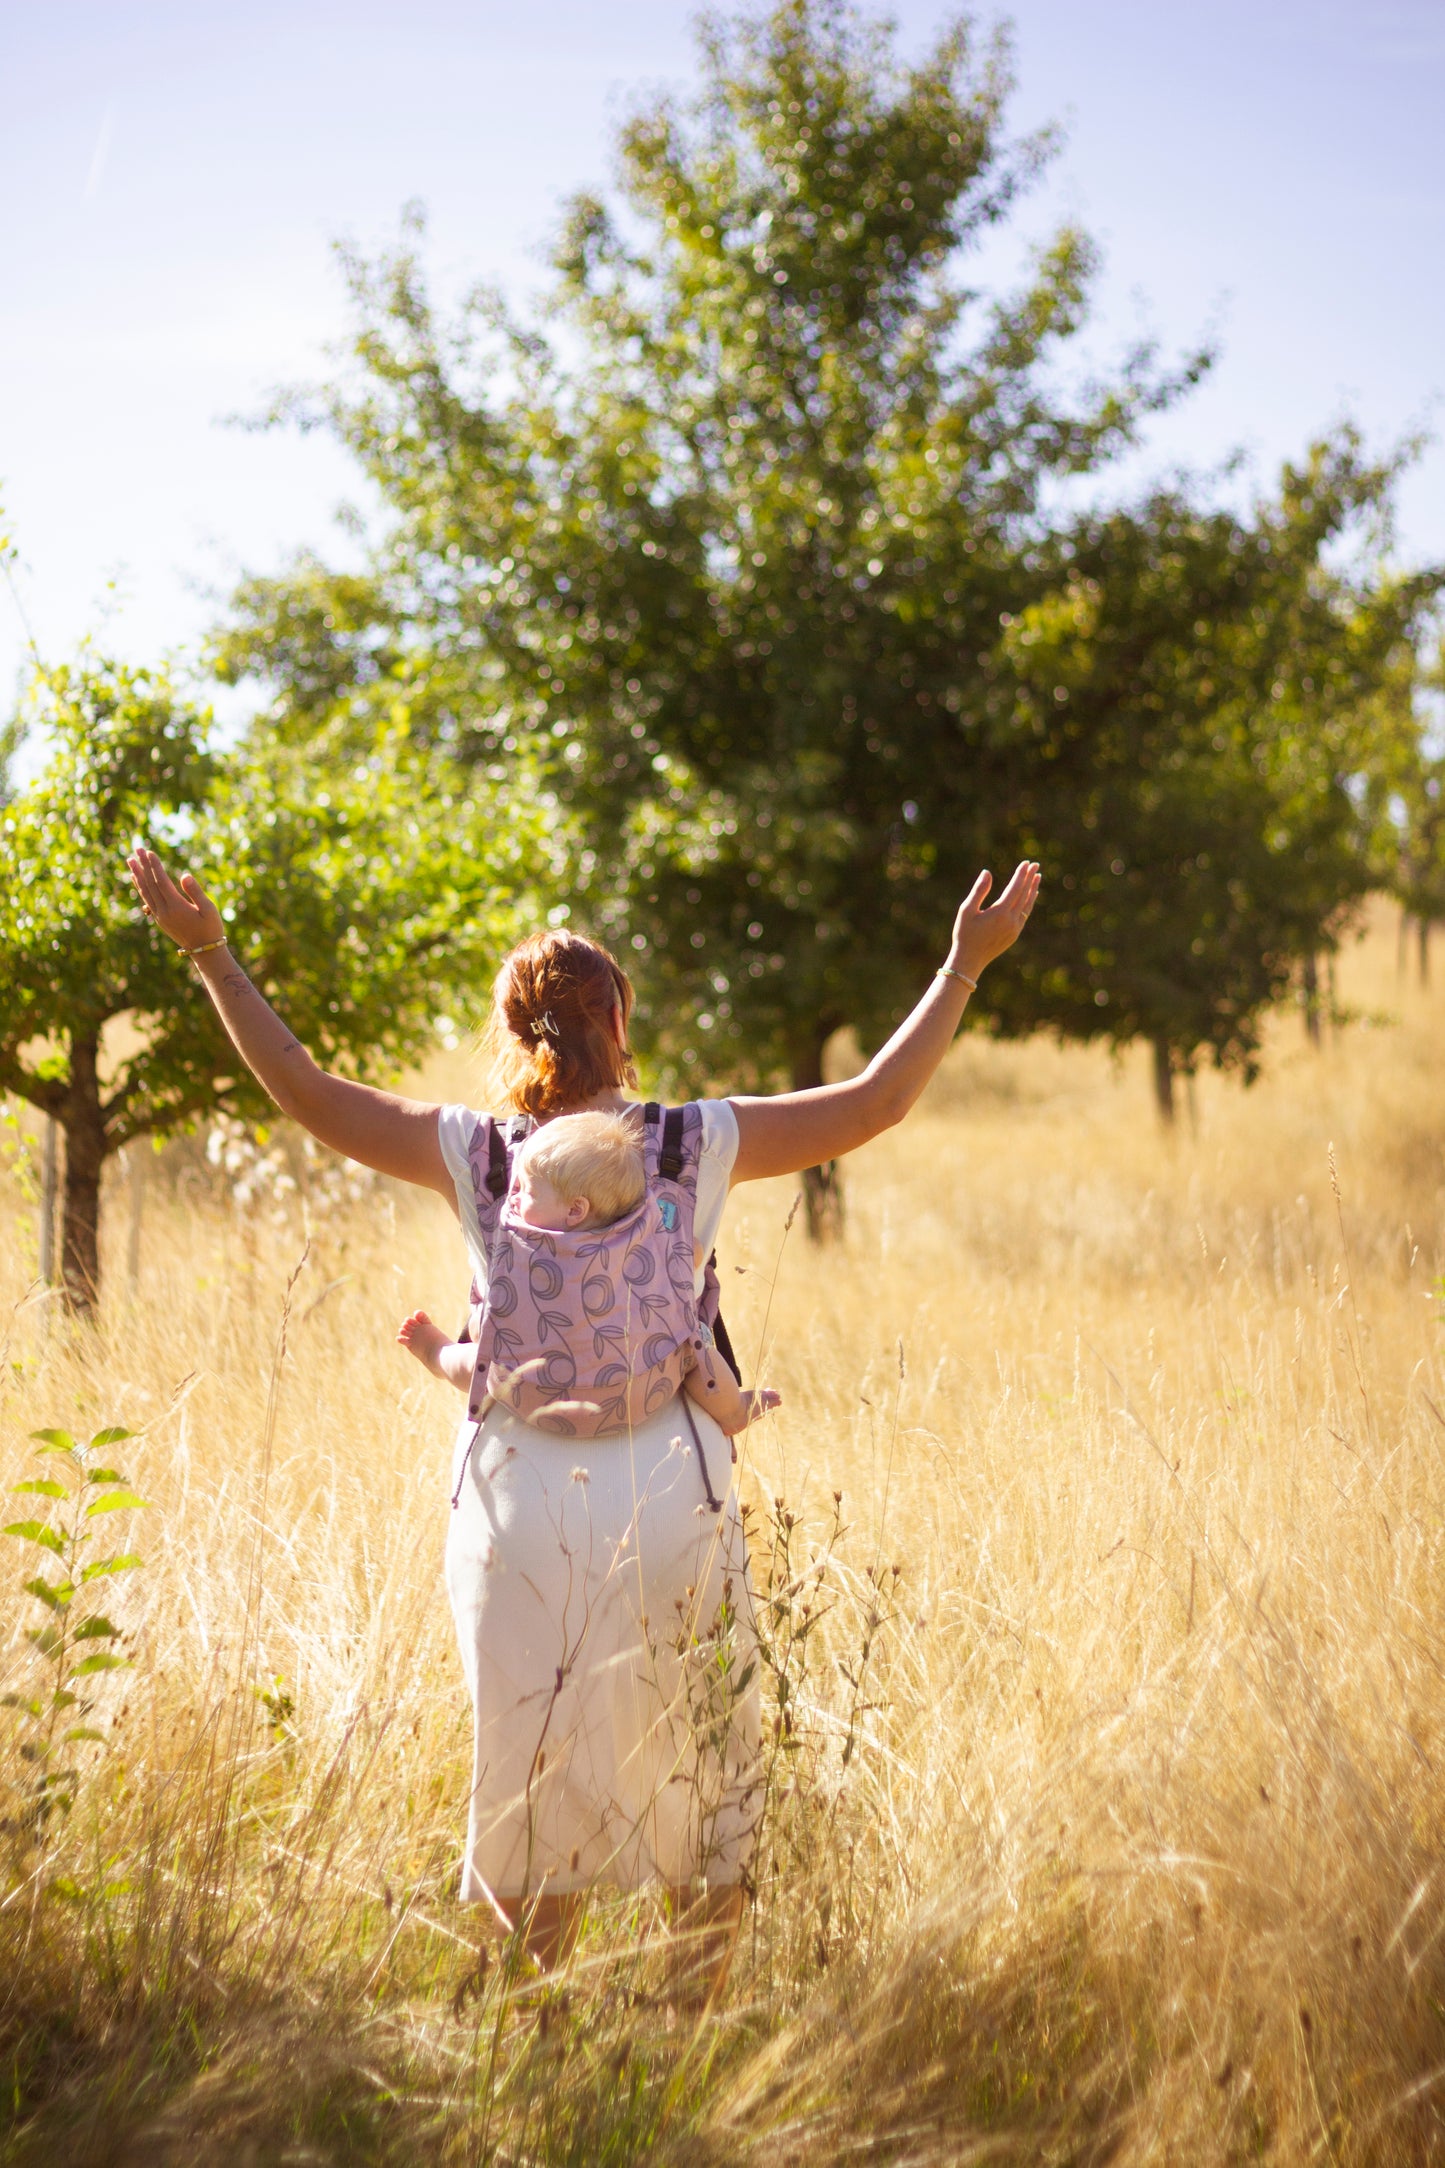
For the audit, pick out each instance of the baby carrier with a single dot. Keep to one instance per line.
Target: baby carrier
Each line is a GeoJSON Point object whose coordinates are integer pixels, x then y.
{"type": "Point", "coordinates": [588, 1332]}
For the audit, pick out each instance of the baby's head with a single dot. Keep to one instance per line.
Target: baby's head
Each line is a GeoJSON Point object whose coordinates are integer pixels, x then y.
{"type": "Point", "coordinates": [581, 1170]}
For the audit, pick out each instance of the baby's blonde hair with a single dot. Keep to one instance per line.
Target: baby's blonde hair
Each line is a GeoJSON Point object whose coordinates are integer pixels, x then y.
{"type": "Point", "coordinates": [596, 1156]}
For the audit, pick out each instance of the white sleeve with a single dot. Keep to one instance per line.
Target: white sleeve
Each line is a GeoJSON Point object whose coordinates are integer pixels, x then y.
{"type": "Point", "coordinates": [456, 1127]}
{"type": "Point", "coordinates": [714, 1173]}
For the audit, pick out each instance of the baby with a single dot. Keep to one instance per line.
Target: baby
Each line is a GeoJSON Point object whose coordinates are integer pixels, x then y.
{"type": "Point", "coordinates": [578, 1172]}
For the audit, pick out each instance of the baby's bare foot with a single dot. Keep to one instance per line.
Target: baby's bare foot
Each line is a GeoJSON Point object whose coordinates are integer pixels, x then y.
{"type": "Point", "coordinates": [755, 1402]}
{"type": "Point", "coordinates": [423, 1339]}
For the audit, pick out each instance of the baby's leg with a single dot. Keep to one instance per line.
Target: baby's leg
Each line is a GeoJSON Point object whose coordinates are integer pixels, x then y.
{"type": "Point", "coordinates": [713, 1386]}
{"type": "Point", "coordinates": [450, 1360]}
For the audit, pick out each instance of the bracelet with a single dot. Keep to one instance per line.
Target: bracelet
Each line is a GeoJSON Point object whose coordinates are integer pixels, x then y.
{"type": "Point", "coordinates": [944, 972]}
{"type": "Point", "coordinates": [205, 947]}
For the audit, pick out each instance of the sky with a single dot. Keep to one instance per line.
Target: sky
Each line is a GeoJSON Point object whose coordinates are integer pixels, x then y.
{"type": "Point", "coordinates": [175, 173]}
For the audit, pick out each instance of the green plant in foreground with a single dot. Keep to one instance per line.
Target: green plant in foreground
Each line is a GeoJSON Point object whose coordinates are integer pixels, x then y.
{"type": "Point", "coordinates": [74, 1641]}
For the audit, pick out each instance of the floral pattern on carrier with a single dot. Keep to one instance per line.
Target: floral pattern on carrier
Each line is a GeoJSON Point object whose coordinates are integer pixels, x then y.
{"type": "Point", "coordinates": [588, 1332]}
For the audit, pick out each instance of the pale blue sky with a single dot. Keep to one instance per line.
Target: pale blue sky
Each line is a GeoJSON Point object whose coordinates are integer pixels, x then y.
{"type": "Point", "coordinates": [173, 172]}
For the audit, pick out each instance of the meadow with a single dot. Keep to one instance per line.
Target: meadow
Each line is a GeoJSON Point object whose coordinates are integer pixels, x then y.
{"type": "Point", "coordinates": [1107, 1821]}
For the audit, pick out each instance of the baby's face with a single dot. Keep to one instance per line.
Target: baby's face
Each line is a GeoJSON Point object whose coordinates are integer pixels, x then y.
{"type": "Point", "coordinates": [536, 1203]}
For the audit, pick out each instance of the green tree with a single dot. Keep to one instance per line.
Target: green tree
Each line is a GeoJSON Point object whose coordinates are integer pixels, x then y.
{"type": "Point", "coordinates": [364, 893]}
{"type": "Point", "coordinates": [769, 559]}
{"type": "Point", "coordinates": [1208, 688]}
{"type": "Point", "coordinates": [735, 552]}
{"type": "Point", "coordinates": [1406, 793]}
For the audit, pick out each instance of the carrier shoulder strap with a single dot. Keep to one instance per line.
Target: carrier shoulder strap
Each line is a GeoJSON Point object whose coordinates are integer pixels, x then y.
{"type": "Point", "coordinates": [497, 1161]}
{"type": "Point", "coordinates": [722, 1339]}
{"type": "Point", "coordinates": [669, 1158]}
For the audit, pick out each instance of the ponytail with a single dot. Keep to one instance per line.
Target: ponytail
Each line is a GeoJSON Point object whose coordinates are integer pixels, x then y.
{"type": "Point", "coordinates": [550, 1035]}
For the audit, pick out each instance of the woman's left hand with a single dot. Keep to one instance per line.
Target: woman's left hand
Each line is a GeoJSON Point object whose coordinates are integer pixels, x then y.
{"type": "Point", "coordinates": [187, 913]}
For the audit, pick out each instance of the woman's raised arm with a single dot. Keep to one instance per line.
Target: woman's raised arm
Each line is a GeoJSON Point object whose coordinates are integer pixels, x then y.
{"type": "Point", "coordinates": [793, 1130]}
{"type": "Point", "coordinates": [396, 1136]}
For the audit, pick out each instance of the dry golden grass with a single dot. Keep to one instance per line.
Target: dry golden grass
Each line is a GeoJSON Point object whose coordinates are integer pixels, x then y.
{"type": "Point", "coordinates": [1139, 1853]}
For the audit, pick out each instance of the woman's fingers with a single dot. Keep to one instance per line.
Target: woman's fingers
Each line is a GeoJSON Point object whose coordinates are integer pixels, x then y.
{"type": "Point", "coordinates": [1018, 896]}
{"type": "Point", "coordinates": [978, 894]}
{"type": "Point", "coordinates": [179, 912]}
{"type": "Point", "coordinates": [985, 934]}
{"type": "Point", "coordinates": [144, 880]}
{"type": "Point", "coordinates": [1022, 889]}
{"type": "Point", "coordinates": [156, 886]}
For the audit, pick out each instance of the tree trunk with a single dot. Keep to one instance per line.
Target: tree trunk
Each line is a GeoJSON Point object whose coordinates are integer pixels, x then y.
{"type": "Point", "coordinates": [83, 1120]}
{"type": "Point", "coordinates": [822, 1186]}
{"type": "Point", "coordinates": [823, 1204]}
{"type": "Point", "coordinates": [1310, 998]}
{"type": "Point", "coordinates": [49, 1179]}
{"type": "Point", "coordinates": [136, 1166]}
{"type": "Point", "coordinates": [1164, 1081]}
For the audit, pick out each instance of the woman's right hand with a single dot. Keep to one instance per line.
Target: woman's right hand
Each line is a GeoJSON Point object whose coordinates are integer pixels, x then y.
{"type": "Point", "coordinates": [978, 934]}
{"type": "Point", "coordinates": [187, 913]}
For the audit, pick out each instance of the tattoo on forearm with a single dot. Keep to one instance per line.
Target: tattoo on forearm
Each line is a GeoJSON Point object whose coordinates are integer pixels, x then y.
{"type": "Point", "coordinates": [234, 981]}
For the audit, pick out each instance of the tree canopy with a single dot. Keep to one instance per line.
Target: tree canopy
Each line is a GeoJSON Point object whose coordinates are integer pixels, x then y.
{"type": "Point", "coordinates": [765, 552]}
{"type": "Point", "coordinates": [1207, 686]}
{"type": "Point", "coordinates": [367, 895]}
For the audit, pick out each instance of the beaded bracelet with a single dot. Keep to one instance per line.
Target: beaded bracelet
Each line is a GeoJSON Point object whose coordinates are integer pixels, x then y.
{"type": "Point", "coordinates": [205, 947]}
{"type": "Point", "coordinates": [943, 972]}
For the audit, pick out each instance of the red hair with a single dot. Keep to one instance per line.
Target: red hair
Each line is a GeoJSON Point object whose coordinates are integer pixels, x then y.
{"type": "Point", "coordinates": [550, 1034]}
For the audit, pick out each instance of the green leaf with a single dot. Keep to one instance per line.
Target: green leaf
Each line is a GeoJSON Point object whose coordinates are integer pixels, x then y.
{"type": "Point", "coordinates": [84, 1731]}
{"type": "Point", "coordinates": [36, 1532]}
{"type": "Point", "coordinates": [124, 1501]}
{"type": "Point", "coordinates": [45, 1638]}
{"type": "Point", "coordinates": [102, 1660]}
{"type": "Point", "coordinates": [59, 1441]}
{"type": "Point", "coordinates": [105, 1475]}
{"type": "Point", "coordinates": [62, 1698]}
{"type": "Point", "coordinates": [123, 1562]}
{"type": "Point", "coordinates": [96, 1629]}
{"type": "Point", "coordinates": [56, 1594]}
{"type": "Point", "coordinates": [113, 1436]}
{"type": "Point", "coordinates": [20, 1701]}
{"type": "Point", "coordinates": [45, 1485]}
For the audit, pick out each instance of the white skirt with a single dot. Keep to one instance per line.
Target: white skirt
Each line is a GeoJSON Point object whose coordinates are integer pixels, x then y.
{"type": "Point", "coordinates": [605, 1618]}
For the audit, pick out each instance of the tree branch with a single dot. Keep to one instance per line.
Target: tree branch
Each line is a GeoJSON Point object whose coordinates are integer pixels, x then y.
{"type": "Point", "coordinates": [46, 1093]}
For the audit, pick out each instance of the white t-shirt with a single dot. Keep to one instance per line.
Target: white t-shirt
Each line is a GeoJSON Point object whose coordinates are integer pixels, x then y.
{"type": "Point", "coordinates": [714, 1172]}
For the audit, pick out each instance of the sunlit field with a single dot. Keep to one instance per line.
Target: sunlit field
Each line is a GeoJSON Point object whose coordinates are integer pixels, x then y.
{"type": "Point", "coordinates": [1108, 1816]}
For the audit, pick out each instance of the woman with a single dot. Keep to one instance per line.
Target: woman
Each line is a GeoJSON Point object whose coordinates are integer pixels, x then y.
{"type": "Point", "coordinates": [586, 1580]}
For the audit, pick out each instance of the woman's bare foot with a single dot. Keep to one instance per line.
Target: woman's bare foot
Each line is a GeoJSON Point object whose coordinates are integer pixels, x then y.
{"type": "Point", "coordinates": [425, 1340]}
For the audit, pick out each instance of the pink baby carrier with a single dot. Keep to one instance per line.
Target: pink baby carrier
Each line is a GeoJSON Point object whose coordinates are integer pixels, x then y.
{"type": "Point", "coordinates": [589, 1332]}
